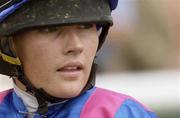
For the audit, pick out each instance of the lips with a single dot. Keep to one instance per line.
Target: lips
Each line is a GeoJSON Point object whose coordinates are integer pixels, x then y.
{"type": "Point", "coordinates": [72, 66]}
{"type": "Point", "coordinates": [71, 71]}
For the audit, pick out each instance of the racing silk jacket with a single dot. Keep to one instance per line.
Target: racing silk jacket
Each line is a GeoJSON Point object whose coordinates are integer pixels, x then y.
{"type": "Point", "coordinates": [94, 103]}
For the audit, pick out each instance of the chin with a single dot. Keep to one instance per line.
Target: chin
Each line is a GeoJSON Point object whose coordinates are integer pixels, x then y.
{"type": "Point", "coordinates": [69, 93]}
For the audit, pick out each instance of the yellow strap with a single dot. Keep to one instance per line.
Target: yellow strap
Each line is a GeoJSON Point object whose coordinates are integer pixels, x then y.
{"type": "Point", "coordinates": [10, 59]}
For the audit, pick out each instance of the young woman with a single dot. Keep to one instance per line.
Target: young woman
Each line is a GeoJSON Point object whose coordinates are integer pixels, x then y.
{"type": "Point", "coordinates": [48, 48]}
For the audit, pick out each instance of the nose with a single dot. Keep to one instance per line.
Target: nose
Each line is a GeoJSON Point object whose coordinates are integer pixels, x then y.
{"type": "Point", "coordinates": [73, 43]}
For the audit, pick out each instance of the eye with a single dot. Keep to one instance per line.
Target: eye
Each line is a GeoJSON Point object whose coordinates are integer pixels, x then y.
{"type": "Point", "coordinates": [86, 26]}
{"type": "Point", "coordinates": [47, 29]}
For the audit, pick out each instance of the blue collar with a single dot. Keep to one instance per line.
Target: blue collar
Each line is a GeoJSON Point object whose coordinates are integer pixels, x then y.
{"type": "Point", "coordinates": [70, 108]}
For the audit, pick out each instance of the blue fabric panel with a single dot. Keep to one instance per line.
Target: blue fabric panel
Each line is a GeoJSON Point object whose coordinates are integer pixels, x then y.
{"type": "Point", "coordinates": [132, 109]}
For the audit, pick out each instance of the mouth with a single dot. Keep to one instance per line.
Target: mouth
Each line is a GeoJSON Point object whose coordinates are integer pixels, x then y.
{"type": "Point", "coordinates": [71, 70]}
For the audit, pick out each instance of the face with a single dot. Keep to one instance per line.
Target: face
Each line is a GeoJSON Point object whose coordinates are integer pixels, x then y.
{"type": "Point", "coordinates": [58, 59]}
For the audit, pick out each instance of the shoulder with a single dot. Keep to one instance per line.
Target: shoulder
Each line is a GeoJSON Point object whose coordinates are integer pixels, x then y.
{"type": "Point", "coordinates": [131, 108]}
{"type": "Point", "coordinates": [111, 94]}
{"type": "Point", "coordinates": [109, 97]}
{"type": "Point", "coordinates": [106, 103]}
{"type": "Point", "coordinates": [102, 103]}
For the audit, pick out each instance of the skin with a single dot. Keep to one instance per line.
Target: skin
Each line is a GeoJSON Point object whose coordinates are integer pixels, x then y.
{"type": "Point", "coordinates": [43, 51]}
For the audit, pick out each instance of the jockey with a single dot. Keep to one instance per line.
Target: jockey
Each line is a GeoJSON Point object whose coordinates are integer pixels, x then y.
{"type": "Point", "coordinates": [48, 48]}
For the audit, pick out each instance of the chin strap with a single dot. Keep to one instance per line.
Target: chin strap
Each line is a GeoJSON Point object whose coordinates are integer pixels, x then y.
{"type": "Point", "coordinates": [43, 97]}
{"type": "Point", "coordinates": [103, 35]}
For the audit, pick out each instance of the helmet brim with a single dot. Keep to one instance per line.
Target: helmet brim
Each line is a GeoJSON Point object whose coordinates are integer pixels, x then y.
{"type": "Point", "coordinates": [36, 13]}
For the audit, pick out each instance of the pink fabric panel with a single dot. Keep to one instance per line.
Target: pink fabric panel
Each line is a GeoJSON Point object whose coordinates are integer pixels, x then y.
{"type": "Point", "coordinates": [3, 94]}
{"type": "Point", "coordinates": [102, 104]}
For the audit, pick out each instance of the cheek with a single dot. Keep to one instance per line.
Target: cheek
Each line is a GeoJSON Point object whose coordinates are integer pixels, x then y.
{"type": "Point", "coordinates": [32, 54]}
{"type": "Point", "coordinates": [92, 45]}
{"type": "Point", "coordinates": [91, 48]}
{"type": "Point", "coordinates": [36, 62]}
